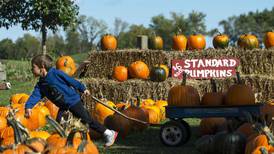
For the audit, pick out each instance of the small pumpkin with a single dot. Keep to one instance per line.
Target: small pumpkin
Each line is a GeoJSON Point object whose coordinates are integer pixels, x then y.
{"type": "Point", "coordinates": [53, 109]}
{"type": "Point", "coordinates": [66, 64]}
{"type": "Point", "coordinates": [269, 40]}
{"type": "Point", "coordinates": [120, 73]}
{"type": "Point", "coordinates": [139, 69]}
{"type": "Point", "coordinates": [157, 74]}
{"type": "Point", "coordinates": [210, 126]}
{"type": "Point", "coordinates": [183, 95]}
{"type": "Point", "coordinates": [239, 94]}
{"type": "Point", "coordinates": [156, 43]}
{"type": "Point", "coordinates": [196, 42]}
{"type": "Point", "coordinates": [220, 41]}
{"type": "Point", "coordinates": [101, 112]}
{"type": "Point", "coordinates": [108, 42]}
{"type": "Point", "coordinates": [213, 98]}
{"type": "Point", "coordinates": [248, 41]}
{"type": "Point", "coordinates": [179, 42]}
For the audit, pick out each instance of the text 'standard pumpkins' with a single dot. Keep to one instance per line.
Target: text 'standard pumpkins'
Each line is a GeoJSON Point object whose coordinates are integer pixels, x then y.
{"type": "Point", "coordinates": [179, 42]}
{"type": "Point", "coordinates": [220, 41]}
{"type": "Point", "coordinates": [183, 95]}
{"type": "Point", "coordinates": [248, 41]}
{"type": "Point", "coordinates": [66, 64]}
{"type": "Point", "coordinates": [269, 40]}
{"type": "Point", "coordinates": [139, 69]}
{"type": "Point", "coordinates": [239, 94]}
{"type": "Point", "coordinates": [108, 42]}
{"type": "Point", "coordinates": [196, 42]}
{"type": "Point", "coordinates": [156, 43]}
{"type": "Point", "coordinates": [213, 98]}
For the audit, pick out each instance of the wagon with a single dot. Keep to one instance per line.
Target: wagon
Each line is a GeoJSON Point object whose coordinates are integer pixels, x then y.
{"type": "Point", "coordinates": [176, 131]}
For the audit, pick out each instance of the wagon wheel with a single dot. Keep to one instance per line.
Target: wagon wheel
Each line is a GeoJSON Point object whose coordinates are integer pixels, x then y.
{"type": "Point", "coordinates": [174, 133]}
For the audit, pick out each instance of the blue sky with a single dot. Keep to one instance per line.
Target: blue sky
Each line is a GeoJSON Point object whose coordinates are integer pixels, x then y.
{"type": "Point", "coordinates": [141, 11]}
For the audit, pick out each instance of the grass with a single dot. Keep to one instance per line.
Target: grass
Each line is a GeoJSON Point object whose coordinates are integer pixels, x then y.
{"type": "Point", "coordinates": [148, 141]}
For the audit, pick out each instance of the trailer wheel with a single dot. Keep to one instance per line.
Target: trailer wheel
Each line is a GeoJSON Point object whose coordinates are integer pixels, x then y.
{"type": "Point", "coordinates": [174, 133]}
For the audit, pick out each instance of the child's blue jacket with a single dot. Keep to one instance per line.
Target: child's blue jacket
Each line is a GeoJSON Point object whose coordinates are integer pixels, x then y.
{"type": "Point", "coordinates": [65, 84]}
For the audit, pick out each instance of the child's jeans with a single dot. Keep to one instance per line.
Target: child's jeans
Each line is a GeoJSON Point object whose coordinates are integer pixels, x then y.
{"type": "Point", "coordinates": [79, 111]}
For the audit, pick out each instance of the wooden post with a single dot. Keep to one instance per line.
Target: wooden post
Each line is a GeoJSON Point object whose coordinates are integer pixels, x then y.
{"type": "Point", "coordinates": [3, 75]}
{"type": "Point", "coordinates": [142, 42]}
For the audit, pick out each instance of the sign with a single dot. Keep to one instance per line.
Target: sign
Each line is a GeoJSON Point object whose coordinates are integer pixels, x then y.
{"type": "Point", "coordinates": [205, 68]}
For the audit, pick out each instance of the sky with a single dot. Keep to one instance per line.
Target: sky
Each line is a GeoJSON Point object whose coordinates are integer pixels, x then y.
{"type": "Point", "coordinates": [141, 11]}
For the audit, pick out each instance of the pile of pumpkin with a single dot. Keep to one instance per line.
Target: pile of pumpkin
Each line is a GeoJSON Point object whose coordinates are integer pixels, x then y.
{"type": "Point", "coordinates": [148, 110]}
{"type": "Point", "coordinates": [140, 70]}
{"type": "Point", "coordinates": [254, 135]}
{"type": "Point", "coordinates": [195, 42]}
{"type": "Point", "coordinates": [186, 95]}
{"type": "Point", "coordinates": [24, 135]}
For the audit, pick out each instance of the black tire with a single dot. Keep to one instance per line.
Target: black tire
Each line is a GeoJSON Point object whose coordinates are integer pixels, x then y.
{"type": "Point", "coordinates": [174, 133]}
{"type": "Point", "coordinates": [186, 125]}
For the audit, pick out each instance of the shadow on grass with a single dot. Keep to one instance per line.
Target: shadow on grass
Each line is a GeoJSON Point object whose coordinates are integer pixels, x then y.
{"type": "Point", "coordinates": [149, 141]}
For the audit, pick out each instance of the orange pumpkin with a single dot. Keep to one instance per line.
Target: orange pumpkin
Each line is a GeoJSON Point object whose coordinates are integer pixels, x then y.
{"type": "Point", "coordinates": [211, 125]}
{"type": "Point", "coordinates": [220, 41]}
{"type": "Point", "coordinates": [120, 73]}
{"type": "Point", "coordinates": [269, 39]}
{"type": "Point", "coordinates": [14, 99]}
{"type": "Point", "coordinates": [4, 111]}
{"type": "Point", "coordinates": [101, 112]}
{"type": "Point", "coordinates": [66, 64]}
{"type": "Point", "coordinates": [246, 129]}
{"type": "Point", "coordinates": [53, 109]}
{"type": "Point", "coordinates": [213, 98]}
{"type": "Point", "coordinates": [248, 41]}
{"type": "Point", "coordinates": [179, 42]}
{"type": "Point", "coordinates": [108, 42]}
{"type": "Point", "coordinates": [139, 69]}
{"type": "Point", "coordinates": [196, 42]}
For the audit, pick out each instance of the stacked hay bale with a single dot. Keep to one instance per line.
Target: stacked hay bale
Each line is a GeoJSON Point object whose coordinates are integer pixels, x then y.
{"type": "Point", "coordinates": [256, 68]}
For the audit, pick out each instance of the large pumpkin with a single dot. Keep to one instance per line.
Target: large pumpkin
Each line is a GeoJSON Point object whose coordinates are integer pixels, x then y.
{"type": "Point", "coordinates": [66, 64]}
{"type": "Point", "coordinates": [239, 94]}
{"type": "Point", "coordinates": [158, 74]}
{"type": "Point", "coordinates": [101, 112]}
{"type": "Point", "coordinates": [196, 42]}
{"type": "Point", "coordinates": [156, 43]}
{"type": "Point", "coordinates": [248, 41]}
{"type": "Point", "coordinates": [108, 42]}
{"type": "Point", "coordinates": [220, 41]}
{"type": "Point", "coordinates": [179, 42]}
{"type": "Point", "coordinates": [269, 39]}
{"type": "Point", "coordinates": [120, 73]}
{"type": "Point", "coordinates": [139, 69]}
{"type": "Point", "coordinates": [213, 98]}
{"type": "Point", "coordinates": [183, 95]}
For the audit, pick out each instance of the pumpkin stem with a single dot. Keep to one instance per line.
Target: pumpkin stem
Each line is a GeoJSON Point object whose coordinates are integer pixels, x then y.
{"type": "Point", "coordinates": [69, 142]}
{"type": "Point", "coordinates": [239, 81]}
{"type": "Point", "coordinates": [56, 126]}
{"type": "Point", "coordinates": [213, 85]}
{"type": "Point", "coordinates": [263, 150]}
{"type": "Point", "coordinates": [84, 142]}
{"type": "Point", "coordinates": [15, 129]}
{"type": "Point", "coordinates": [179, 31]}
{"type": "Point", "coordinates": [184, 79]}
{"type": "Point", "coordinates": [138, 101]}
{"type": "Point", "coordinates": [24, 133]}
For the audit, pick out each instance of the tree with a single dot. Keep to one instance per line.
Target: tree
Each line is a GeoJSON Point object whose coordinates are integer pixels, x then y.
{"type": "Point", "coordinates": [39, 15]}
{"type": "Point", "coordinates": [119, 26]}
{"type": "Point", "coordinates": [7, 49]}
{"type": "Point", "coordinates": [27, 46]}
{"type": "Point", "coordinates": [56, 44]}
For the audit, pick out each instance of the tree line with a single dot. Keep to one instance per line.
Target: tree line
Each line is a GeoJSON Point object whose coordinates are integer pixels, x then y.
{"type": "Point", "coordinates": [85, 34]}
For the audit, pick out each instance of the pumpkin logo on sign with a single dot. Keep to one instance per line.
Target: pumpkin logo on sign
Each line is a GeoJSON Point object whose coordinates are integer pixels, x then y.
{"type": "Point", "coordinates": [205, 68]}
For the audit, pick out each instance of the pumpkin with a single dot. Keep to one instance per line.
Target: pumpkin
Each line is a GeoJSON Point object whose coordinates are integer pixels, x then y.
{"type": "Point", "coordinates": [248, 41]}
{"type": "Point", "coordinates": [179, 42]}
{"type": "Point", "coordinates": [148, 102]}
{"type": "Point", "coordinates": [183, 95]}
{"type": "Point", "coordinates": [213, 98]}
{"type": "Point", "coordinates": [267, 111]}
{"type": "Point", "coordinates": [246, 129]}
{"type": "Point", "coordinates": [108, 42]}
{"type": "Point", "coordinates": [259, 140]}
{"type": "Point", "coordinates": [36, 144]}
{"type": "Point", "coordinates": [205, 144]}
{"type": "Point", "coordinates": [161, 104]}
{"type": "Point", "coordinates": [210, 126]}
{"type": "Point", "coordinates": [156, 43]}
{"type": "Point", "coordinates": [101, 112]}
{"type": "Point", "coordinates": [66, 64]}
{"type": "Point", "coordinates": [23, 99]}
{"type": "Point", "coordinates": [139, 69]}
{"type": "Point", "coordinates": [269, 40]}
{"type": "Point", "coordinates": [39, 134]}
{"type": "Point", "coordinates": [53, 109]}
{"type": "Point", "coordinates": [86, 146]}
{"type": "Point", "coordinates": [154, 114]}
{"type": "Point", "coordinates": [14, 99]}
{"type": "Point", "coordinates": [137, 113]}
{"type": "Point", "coordinates": [3, 123]}
{"type": "Point", "coordinates": [157, 74]}
{"type": "Point", "coordinates": [4, 111]}
{"type": "Point", "coordinates": [261, 150]}
{"type": "Point", "coordinates": [220, 41]}
{"type": "Point", "coordinates": [196, 42]}
{"type": "Point", "coordinates": [120, 73]}
{"type": "Point", "coordinates": [165, 68]}
{"type": "Point", "coordinates": [239, 94]}
{"type": "Point", "coordinates": [118, 123]}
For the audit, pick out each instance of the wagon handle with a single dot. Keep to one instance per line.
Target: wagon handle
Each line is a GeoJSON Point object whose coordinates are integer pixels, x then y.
{"type": "Point", "coordinates": [118, 112]}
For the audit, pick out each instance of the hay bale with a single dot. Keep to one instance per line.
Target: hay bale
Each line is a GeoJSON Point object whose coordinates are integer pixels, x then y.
{"type": "Point", "coordinates": [115, 91]}
{"type": "Point", "coordinates": [257, 61]}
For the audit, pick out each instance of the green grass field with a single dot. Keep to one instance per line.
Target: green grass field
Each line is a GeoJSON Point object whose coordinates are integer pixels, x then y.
{"type": "Point", "coordinates": [148, 141]}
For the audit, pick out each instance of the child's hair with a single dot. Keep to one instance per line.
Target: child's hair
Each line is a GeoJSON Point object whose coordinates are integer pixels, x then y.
{"type": "Point", "coordinates": [42, 60]}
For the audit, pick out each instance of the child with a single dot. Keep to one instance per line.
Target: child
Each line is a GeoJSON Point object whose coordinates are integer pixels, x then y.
{"type": "Point", "coordinates": [60, 88]}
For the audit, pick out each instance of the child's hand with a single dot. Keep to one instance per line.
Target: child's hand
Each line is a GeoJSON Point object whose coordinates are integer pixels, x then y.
{"type": "Point", "coordinates": [87, 92]}
{"type": "Point", "coordinates": [27, 113]}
